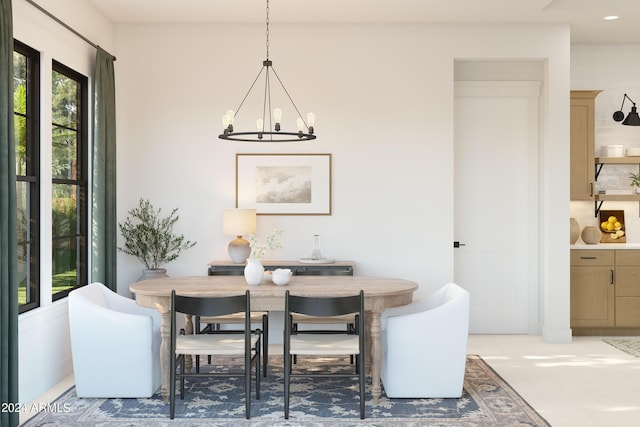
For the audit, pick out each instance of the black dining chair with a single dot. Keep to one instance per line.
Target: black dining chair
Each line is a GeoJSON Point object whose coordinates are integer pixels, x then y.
{"type": "Point", "coordinates": [229, 324]}
{"type": "Point", "coordinates": [246, 344]}
{"type": "Point", "coordinates": [324, 344]}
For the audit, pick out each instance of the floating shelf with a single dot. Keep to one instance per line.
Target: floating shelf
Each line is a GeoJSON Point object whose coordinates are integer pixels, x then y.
{"type": "Point", "coordinates": [600, 198]}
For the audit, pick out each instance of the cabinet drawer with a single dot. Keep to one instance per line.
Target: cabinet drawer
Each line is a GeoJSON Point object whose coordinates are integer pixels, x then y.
{"type": "Point", "coordinates": [592, 257]}
{"type": "Point", "coordinates": [628, 257]}
{"type": "Point", "coordinates": [627, 311]}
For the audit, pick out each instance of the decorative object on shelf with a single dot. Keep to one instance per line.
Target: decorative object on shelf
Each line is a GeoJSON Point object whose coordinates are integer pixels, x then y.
{"type": "Point", "coordinates": [281, 276]}
{"type": "Point", "coordinates": [632, 118]}
{"type": "Point", "coordinates": [239, 222]}
{"type": "Point", "coordinates": [254, 271]}
{"type": "Point", "coordinates": [150, 238]}
{"type": "Point", "coordinates": [612, 227]}
{"type": "Point", "coordinates": [575, 230]}
{"type": "Point", "coordinates": [284, 184]}
{"type": "Point", "coordinates": [612, 151]}
{"type": "Point", "coordinates": [635, 181]}
{"type": "Point", "coordinates": [315, 252]}
{"type": "Point", "coordinates": [271, 133]}
{"type": "Point", "coordinates": [591, 235]}
{"type": "Point", "coordinates": [316, 255]}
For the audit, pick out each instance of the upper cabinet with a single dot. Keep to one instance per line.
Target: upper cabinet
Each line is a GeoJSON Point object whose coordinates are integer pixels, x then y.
{"type": "Point", "coordinates": [583, 144]}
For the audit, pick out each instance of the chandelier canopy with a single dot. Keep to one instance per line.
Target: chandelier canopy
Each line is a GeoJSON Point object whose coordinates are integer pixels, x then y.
{"type": "Point", "coordinates": [269, 125]}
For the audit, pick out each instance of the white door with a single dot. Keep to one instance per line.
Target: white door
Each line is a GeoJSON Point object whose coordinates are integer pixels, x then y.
{"type": "Point", "coordinates": [496, 194]}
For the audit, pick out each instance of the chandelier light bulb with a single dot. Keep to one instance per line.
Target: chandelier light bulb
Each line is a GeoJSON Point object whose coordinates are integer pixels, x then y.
{"type": "Point", "coordinates": [300, 124]}
{"type": "Point", "coordinates": [277, 117]}
{"type": "Point", "coordinates": [227, 121]}
{"type": "Point", "coordinates": [260, 125]}
{"type": "Point", "coordinates": [311, 121]}
{"type": "Point", "coordinates": [231, 115]}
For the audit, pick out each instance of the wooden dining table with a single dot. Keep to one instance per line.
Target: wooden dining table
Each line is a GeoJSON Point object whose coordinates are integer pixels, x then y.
{"type": "Point", "coordinates": [379, 293]}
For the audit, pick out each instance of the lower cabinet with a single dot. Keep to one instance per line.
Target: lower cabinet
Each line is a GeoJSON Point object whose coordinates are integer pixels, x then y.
{"type": "Point", "coordinates": [605, 290]}
{"type": "Point", "coordinates": [627, 288]}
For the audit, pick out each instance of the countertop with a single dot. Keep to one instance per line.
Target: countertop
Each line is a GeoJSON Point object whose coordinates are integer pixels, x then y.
{"type": "Point", "coordinates": [606, 246]}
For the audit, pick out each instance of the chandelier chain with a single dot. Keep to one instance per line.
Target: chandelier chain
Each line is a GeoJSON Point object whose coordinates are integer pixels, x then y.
{"type": "Point", "coordinates": [267, 31]}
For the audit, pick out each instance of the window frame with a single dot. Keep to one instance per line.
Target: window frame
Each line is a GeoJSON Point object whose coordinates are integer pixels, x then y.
{"type": "Point", "coordinates": [81, 180]}
{"type": "Point", "coordinates": [32, 177]}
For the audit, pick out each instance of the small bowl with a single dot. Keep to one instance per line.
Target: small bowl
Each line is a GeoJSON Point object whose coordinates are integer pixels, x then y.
{"type": "Point", "coordinates": [281, 276]}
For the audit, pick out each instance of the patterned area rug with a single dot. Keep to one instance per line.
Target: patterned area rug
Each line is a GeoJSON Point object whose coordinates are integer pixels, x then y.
{"type": "Point", "coordinates": [487, 400]}
{"type": "Point", "coordinates": [628, 345]}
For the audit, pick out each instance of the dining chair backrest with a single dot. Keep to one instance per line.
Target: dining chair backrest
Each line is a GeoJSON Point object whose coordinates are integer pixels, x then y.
{"type": "Point", "coordinates": [323, 306]}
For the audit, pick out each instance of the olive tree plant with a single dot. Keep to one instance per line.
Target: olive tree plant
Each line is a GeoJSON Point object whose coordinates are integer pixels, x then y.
{"type": "Point", "coordinates": [150, 237]}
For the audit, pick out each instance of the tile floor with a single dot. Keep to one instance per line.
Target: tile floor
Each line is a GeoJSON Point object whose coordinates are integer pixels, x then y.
{"type": "Point", "coordinates": [586, 383]}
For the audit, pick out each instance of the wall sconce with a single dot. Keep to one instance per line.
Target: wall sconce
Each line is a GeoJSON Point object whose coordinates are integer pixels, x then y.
{"type": "Point", "coordinates": [239, 222]}
{"type": "Point", "coordinates": [632, 119]}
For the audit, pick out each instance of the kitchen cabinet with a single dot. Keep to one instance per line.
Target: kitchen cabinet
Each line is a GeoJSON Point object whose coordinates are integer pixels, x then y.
{"type": "Point", "coordinates": [605, 291]}
{"type": "Point", "coordinates": [592, 288]}
{"type": "Point", "coordinates": [582, 144]}
{"type": "Point", "coordinates": [627, 288]}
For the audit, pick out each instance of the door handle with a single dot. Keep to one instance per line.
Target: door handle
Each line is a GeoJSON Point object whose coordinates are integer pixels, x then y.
{"type": "Point", "coordinates": [457, 244]}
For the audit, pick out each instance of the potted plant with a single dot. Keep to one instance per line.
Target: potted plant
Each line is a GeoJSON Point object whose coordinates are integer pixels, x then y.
{"type": "Point", "coordinates": [635, 181]}
{"type": "Point", "coordinates": [150, 238]}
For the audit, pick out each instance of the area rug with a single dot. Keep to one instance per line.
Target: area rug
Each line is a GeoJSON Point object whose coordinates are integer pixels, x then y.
{"type": "Point", "coordinates": [628, 345]}
{"type": "Point", "coordinates": [487, 400]}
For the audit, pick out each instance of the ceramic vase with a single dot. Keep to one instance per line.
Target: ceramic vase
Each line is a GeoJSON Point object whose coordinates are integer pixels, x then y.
{"type": "Point", "coordinates": [591, 235]}
{"type": "Point", "coordinates": [575, 230]}
{"type": "Point", "coordinates": [253, 271]}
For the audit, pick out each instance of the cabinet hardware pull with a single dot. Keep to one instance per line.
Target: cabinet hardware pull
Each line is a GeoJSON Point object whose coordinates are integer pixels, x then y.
{"type": "Point", "coordinates": [612, 277]}
{"type": "Point", "coordinates": [591, 189]}
{"type": "Point", "coordinates": [588, 257]}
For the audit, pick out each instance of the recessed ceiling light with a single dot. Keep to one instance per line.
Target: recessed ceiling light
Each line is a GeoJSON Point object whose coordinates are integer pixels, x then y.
{"type": "Point", "coordinates": [611, 17]}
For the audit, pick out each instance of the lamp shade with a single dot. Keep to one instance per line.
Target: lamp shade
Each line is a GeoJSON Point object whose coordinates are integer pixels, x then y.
{"type": "Point", "coordinates": [238, 222]}
{"type": "Point", "coordinates": [632, 118]}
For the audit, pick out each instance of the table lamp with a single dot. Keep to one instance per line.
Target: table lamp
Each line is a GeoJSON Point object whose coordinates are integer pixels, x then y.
{"type": "Point", "coordinates": [239, 222]}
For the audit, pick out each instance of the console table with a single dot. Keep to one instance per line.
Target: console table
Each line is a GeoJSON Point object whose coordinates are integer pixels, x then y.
{"type": "Point", "coordinates": [337, 268]}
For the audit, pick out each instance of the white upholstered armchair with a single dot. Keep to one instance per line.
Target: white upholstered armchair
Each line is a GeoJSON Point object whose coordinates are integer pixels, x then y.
{"type": "Point", "coordinates": [115, 344]}
{"type": "Point", "coordinates": [424, 345]}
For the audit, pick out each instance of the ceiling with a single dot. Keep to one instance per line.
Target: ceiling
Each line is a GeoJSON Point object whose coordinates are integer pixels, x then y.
{"type": "Point", "coordinates": [584, 16]}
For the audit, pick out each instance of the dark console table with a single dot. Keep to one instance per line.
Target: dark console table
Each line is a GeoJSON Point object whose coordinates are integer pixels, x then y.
{"type": "Point", "coordinates": [338, 268]}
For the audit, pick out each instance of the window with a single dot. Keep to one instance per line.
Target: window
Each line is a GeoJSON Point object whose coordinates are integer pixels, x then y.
{"type": "Point", "coordinates": [69, 180]}
{"type": "Point", "coordinates": [26, 98]}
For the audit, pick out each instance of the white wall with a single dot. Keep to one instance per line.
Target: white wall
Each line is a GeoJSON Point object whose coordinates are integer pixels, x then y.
{"type": "Point", "coordinates": [383, 96]}
{"type": "Point", "coordinates": [44, 349]}
{"type": "Point", "coordinates": [610, 69]}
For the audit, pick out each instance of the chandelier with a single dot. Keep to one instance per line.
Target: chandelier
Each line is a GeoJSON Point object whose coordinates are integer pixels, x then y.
{"type": "Point", "coordinates": [269, 126]}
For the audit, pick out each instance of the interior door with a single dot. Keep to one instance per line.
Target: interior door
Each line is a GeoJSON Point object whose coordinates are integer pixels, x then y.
{"type": "Point", "coordinates": [495, 219]}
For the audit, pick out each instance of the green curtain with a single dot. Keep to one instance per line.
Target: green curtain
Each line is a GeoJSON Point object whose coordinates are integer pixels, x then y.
{"type": "Point", "coordinates": [8, 230]}
{"type": "Point", "coordinates": [104, 222]}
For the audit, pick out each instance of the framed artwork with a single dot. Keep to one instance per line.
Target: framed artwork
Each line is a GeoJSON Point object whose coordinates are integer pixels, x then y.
{"type": "Point", "coordinates": [284, 184]}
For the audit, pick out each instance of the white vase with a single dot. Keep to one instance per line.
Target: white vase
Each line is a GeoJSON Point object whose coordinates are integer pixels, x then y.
{"type": "Point", "coordinates": [253, 271]}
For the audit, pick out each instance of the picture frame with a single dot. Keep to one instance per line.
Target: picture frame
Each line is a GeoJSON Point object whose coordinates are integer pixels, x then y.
{"type": "Point", "coordinates": [284, 184]}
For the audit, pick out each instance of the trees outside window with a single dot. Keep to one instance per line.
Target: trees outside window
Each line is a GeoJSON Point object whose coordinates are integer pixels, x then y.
{"type": "Point", "coordinates": [69, 180]}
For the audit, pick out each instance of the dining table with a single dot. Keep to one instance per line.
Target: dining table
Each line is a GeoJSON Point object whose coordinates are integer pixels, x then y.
{"type": "Point", "coordinates": [379, 293]}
